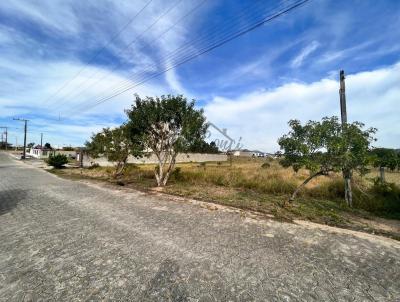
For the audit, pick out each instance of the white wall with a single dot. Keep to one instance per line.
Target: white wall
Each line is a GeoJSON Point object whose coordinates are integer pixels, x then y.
{"type": "Point", "coordinates": [181, 158]}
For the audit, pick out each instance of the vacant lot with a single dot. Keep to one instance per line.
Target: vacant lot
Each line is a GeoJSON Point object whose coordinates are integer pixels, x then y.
{"type": "Point", "coordinates": [263, 185]}
{"type": "Point", "coordinates": [64, 240]}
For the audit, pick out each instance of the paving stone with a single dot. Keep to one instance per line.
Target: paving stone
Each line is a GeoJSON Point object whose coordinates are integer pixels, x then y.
{"type": "Point", "coordinates": [62, 240]}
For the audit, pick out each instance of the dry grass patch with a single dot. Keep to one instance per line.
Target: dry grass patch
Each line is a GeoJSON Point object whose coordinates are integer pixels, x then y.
{"type": "Point", "coordinates": [247, 184]}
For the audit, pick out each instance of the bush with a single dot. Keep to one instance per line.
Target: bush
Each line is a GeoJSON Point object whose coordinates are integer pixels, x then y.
{"type": "Point", "coordinates": [265, 165]}
{"type": "Point", "coordinates": [389, 196]}
{"type": "Point", "coordinates": [57, 161]}
{"type": "Point", "coordinates": [177, 174]}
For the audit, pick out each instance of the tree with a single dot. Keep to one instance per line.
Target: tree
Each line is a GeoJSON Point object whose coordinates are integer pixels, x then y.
{"type": "Point", "coordinates": [30, 145]}
{"type": "Point", "coordinates": [165, 126]}
{"type": "Point", "coordinates": [326, 146]}
{"type": "Point", "coordinates": [3, 145]}
{"type": "Point", "coordinates": [114, 145]}
{"type": "Point", "coordinates": [385, 158]}
{"type": "Point", "coordinates": [203, 147]}
{"type": "Point", "coordinates": [47, 146]}
{"type": "Point", "coordinates": [69, 148]}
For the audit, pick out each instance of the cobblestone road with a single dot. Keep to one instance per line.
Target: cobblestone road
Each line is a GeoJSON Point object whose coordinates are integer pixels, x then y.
{"type": "Point", "coordinates": [67, 241]}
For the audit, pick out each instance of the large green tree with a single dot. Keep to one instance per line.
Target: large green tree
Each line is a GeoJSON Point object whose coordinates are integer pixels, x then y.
{"type": "Point", "coordinates": [114, 145]}
{"type": "Point", "coordinates": [165, 126]}
{"type": "Point", "coordinates": [327, 146]}
{"type": "Point", "coordinates": [203, 147]}
{"type": "Point", "coordinates": [385, 158]}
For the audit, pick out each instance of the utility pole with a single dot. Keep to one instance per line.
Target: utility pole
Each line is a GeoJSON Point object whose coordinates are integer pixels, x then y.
{"type": "Point", "coordinates": [41, 140]}
{"type": "Point", "coordinates": [343, 113]}
{"type": "Point", "coordinates": [342, 93]}
{"type": "Point", "coordinates": [6, 136]}
{"type": "Point", "coordinates": [80, 157]}
{"type": "Point", "coordinates": [25, 130]}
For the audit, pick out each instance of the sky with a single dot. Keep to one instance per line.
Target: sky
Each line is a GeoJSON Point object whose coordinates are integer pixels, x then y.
{"type": "Point", "coordinates": [73, 67]}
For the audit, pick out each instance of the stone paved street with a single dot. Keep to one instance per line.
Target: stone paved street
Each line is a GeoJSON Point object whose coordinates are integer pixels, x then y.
{"type": "Point", "coordinates": [62, 240]}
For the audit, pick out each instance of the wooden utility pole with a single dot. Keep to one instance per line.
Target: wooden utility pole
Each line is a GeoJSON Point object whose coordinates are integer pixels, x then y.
{"type": "Point", "coordinates": [343, 113]}
{"type": "Point", "coordinates": [25, 130]}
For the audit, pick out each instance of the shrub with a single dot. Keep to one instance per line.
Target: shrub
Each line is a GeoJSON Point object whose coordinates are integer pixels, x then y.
{"type": "Point", "coordinates": [266, 165]}
{"type": "Point", "coordinates": [57, 161]}
{"type": "Point", "coordinates": [389, 196]}
{"type": "Point", "coordinates": [177, 173]}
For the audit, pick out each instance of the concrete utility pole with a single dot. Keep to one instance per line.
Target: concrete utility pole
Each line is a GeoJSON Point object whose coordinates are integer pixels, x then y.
{"type": "Point", "coordinates": [41, 140]}
{"type": "Point", "coordinates": [25, 130]}
{"type": "Point", "coordinates": [343, 114]}
{"type": "Point", "coordinates": [342, 93]}
{"type": "Point", "coordinates": [80, 157]}
{"type": "Point", "coordinates": [6, 136]}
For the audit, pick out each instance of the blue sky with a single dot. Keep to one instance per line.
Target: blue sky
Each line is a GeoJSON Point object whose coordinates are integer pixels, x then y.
{"type": "Point", "coordinates": [251, 86]}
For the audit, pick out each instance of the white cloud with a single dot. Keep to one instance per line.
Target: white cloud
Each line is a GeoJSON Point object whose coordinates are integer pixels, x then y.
{"type": "Point", "coordinates": [304, 53]}
{"type": "Point", "coordinates": [26, 81]}
{"type": "Point", "coordinates": [260, 117]}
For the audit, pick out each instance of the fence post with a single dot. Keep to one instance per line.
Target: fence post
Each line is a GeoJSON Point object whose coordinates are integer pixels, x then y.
{"type": "Point", "coordinates": [382, 174]}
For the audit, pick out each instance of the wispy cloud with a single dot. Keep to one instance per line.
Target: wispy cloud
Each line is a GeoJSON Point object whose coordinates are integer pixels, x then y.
{"type": "Point", "coordinates": [252, 83]}
{"type": "Point", "coordinates": [304, 53]}
{"type": "Point", "coordinates": [260, 117]}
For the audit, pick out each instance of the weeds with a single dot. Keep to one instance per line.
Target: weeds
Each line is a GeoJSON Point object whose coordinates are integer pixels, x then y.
{"type": "Point", "coordinates": [249, 184]}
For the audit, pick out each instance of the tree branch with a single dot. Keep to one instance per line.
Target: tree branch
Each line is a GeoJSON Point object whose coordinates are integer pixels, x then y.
{"type": "Point", "coordinates": [305, 182]}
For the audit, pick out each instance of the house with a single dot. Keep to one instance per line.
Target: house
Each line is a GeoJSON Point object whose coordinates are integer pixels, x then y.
{"type": "Point", "coordinates": [40, 152]}
{"type": "Point", "coordinates": [250, 153]}
{"type": "Point", "coordinates": [247, 153]}
{"type": "Point", "coordinates": [43, 152]}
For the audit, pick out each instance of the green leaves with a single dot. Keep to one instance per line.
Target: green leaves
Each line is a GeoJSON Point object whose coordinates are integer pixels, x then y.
{"type": "Point", "coordinates": [165, 122]}
{"type": "Point", "coordinates": [114, 145]}
{"type": "Point", "coordinates": [165, 126]}
{"type": "Point", "coordinates": [384, 157]}
{"type": "Point", "coordinates": [57, 161]}
{"type": "Point", "coordinates": [326, 145]}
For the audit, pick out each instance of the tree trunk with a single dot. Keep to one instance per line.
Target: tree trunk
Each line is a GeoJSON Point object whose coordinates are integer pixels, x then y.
{"type": "Point", "coordinates": [159, 173]}
{"type": "Point", "coordinates": [347, 187]}
{"type": "Point", "coordinates": [292, 198]}
{"type": "Point", "coordinates": [170, 169]}
{"type": "Point", "coordinates": [120, 167]}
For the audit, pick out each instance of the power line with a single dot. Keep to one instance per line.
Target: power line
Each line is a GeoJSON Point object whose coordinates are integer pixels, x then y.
{"type": "Point", "coordinates": [181, 50]}
{"type": "Point", "coordinates": [99, 52]}
{"type": "Point", "coordinates": [175, 4]}
{"type": "Point", "coordinates": [212, 47]}
{"type": "Point", "coordinates": [192, 10]}
{"type": "Point", "coordinates": [176, 54]}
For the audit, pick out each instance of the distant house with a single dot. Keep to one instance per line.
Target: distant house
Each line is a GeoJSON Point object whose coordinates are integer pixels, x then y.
{"type": "Point", "coordinates": [40, 152]}
{"type": "Point", "coordinates": [43, 152]}
{"type": "Point", "coordinates": [250, 153]}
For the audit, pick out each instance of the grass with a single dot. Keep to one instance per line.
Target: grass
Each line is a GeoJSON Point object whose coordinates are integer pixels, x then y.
{"type": "Point", "coordinates": [249, 183]}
